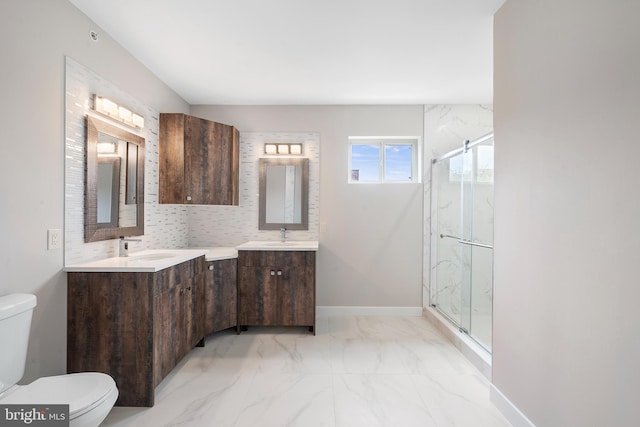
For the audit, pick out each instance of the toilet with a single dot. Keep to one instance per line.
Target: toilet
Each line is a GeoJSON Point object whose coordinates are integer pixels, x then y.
{"type": "Point", "coordinates": [90, 395]}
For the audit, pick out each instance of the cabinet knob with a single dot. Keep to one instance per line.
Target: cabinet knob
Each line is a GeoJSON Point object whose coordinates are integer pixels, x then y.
{"type": "Point", "coordinates": [188, 198]}
{"type": "Point", "coordinates": [279, 273]}
{"type": "Point", "coordinates": [273, 273]}
{"type": "Point", "coordinates": [211, 267]}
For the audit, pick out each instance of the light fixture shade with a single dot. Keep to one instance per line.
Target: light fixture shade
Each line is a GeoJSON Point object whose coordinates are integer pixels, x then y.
{"type": "Point", "coordinates": [109, 107]}
{"type": "Point", "coordinates": [138, 120]}
{"type": "Point", "coordinates": [283, 148]}
{"type": "Point", "coordinates": [118, 112]}
{"type": "Point", "coordinates": [125, 114]}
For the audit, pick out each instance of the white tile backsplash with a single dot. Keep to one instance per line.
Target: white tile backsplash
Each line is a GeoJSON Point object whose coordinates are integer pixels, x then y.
{"type": "Point", "coordinates": [232, 225]}
{"type": "Point", "coordinates": [165, 225]}
{"type": "Point", "coordinates": [170, 226]}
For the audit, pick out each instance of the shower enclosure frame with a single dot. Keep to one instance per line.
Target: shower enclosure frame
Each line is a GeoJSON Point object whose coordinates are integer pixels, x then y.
{"type": "Point", "coordinates": [467, 245]}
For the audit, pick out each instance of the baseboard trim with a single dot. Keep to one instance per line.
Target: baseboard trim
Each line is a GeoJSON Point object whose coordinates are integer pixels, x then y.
{"type": "Point", "coordinates": [508, 409]}
{"type": "Point", "coordinates": [335, 310]}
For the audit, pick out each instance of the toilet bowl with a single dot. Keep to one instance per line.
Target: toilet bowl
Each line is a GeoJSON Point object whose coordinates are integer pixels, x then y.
{"type": "Point", "coordinates": [90, 395]}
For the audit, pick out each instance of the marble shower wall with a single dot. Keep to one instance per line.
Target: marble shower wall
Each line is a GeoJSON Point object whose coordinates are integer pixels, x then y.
{"type": "Point", "coordinates": [165, 226]}
{"type": "Point", "coordinates": [233, 225]}
{"type": "Point", "coordinates": [452, 257]}
{"type": "Point", "coordinates": [446, 127]}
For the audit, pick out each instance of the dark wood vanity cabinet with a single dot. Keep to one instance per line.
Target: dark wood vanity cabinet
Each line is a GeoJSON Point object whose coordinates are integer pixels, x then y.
{"type": "Point", "coordinates": [198, 161]}
{"type": "Point", "coordinates": [220, 296]}
{"type": "Point", "coordinates": [134, 326]}
{"type": "Point", "coordinates": [179, 310]}
{"type": "Point", "coordinates": [276, 288]}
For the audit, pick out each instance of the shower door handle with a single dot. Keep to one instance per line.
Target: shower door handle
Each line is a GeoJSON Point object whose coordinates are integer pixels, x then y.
{"type": "Point", "coordinates": [468, 242]}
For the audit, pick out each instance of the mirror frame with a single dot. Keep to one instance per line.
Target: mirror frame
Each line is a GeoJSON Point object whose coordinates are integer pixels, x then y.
{"type": "Point", "coordinates": [262, 212]}
{"type": "Point", "coordinates": [93, 232]}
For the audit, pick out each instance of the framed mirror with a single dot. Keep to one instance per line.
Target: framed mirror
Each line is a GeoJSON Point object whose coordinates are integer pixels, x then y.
{"type": "Point", "coordinates": [114, 182]}
{"type": "Point", "coordinates": [284, 194]}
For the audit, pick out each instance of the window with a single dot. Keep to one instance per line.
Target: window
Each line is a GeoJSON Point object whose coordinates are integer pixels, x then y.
{"type": "Point", "coordinates": [383, 159]}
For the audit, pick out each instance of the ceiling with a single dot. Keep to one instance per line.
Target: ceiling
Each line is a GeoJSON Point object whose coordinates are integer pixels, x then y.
{"type": "Point", "coordinates": [309, 52]}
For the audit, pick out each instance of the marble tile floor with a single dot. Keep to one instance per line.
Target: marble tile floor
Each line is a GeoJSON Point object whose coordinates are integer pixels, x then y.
{"type": "Point", "coordinates": [357, 371]}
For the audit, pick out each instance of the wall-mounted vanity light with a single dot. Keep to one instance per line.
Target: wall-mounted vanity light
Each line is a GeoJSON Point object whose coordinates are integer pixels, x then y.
{"type": "Point", "coordinates": [117, 112]}
{"type": "Point", "coordinates": [283, 149]}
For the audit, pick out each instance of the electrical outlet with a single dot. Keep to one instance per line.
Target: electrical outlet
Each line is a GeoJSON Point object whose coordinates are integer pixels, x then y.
{"type": "Point", "coordinates": [54, 238]}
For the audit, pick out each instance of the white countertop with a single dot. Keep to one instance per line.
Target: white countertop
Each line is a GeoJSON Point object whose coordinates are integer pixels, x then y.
{"type": "Point", "coordinates": [219, 253]}
{"type": "Point", "coordinates": [276, 245]}
{"type": "Point", "coordinates": [152, 260]}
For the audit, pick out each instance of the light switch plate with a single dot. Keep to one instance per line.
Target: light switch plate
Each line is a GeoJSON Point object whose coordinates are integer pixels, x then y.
{"type": "Point", "coordinates": [54, 238]}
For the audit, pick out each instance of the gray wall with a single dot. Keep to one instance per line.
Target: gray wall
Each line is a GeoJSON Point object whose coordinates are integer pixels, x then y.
{"type": "Point", "coordinates": [371, 249]}
{"type": "Point", "coordinates": [566, 292]}
{"type": "Point", "coordinates": [35, 36]}
{"type": "Point", "coordinates": [370, 235]}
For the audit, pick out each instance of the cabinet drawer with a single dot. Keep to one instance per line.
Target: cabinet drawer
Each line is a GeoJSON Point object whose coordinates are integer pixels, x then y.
{"type": "Point", "coordinates": [291, 259]}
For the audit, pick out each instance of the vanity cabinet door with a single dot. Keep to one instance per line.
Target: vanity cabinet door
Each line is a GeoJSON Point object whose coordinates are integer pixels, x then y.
{"type": "Point", "coordinates": [211, 162]}
{"type": "Point", "coordinates": [257, 302]}
{"type": "Point", "coordinates": [221, 296]}
{"type": "Point", "coordinates": [179, 307]}
{"type": "Point", "coordinates": [199, 161]}
{"type": "Point", "coordinates": [171, 159]}
{"type": "Point", "coordinates": [276, 288]}
{"type": "Point", "coordinates": [166, 326]}
{"type": "Point", "coordinates": [296, 297]}
{"type": "Point", "coordinates": [186, 313]}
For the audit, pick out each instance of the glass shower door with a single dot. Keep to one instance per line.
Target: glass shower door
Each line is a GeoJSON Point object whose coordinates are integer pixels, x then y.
{"type": "Point", "coordinates": [462, 236]}
{"type": "Point", "coordinates": [480, 235]}
{"type": "Point", "coordinates": [450, 260]}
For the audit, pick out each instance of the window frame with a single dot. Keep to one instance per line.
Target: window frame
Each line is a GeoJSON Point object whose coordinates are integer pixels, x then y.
{"type": "Point", "coordinates": [383, 142]}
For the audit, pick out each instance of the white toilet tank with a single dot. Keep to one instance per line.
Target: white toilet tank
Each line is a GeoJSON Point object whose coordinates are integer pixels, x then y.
{"type": "Point", "coordinates": [15, 322]}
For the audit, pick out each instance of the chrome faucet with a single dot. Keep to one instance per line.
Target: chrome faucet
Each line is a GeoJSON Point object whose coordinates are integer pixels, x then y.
{"type": "Point", "coordinates": [283, 234]}
{"type": "Point", "coordinates": [124, 245]}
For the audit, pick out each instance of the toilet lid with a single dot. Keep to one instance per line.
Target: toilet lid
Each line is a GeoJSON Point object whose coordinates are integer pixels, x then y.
{"type": "Point", "coordinates": [81, 391]}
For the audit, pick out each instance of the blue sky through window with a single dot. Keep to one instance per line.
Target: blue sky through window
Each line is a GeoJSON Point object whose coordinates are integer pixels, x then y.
{"type": "Point", "coordinates": [398, 162]}
{"type": "Point", "coordinates": [365, 162]}
{"type": "Point", "coordinates": [394, 159]}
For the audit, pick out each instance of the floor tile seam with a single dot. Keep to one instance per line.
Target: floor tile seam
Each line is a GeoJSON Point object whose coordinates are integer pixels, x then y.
{"type": "Point", "coordinates": [248, 403]}
{"type": "Point", "coordinates": [419, 400]}
{"type": "Point", "coordinates": [333, 397]}
{"type": "Point", "coordinates": [376, 374]}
